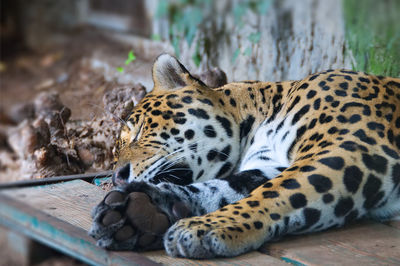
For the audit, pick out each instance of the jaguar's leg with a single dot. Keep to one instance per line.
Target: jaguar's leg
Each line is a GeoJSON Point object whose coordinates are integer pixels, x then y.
{"type": "Point", "coordinates": [314, 194]}
{"type": "Point", "coordinates": [137, 215]}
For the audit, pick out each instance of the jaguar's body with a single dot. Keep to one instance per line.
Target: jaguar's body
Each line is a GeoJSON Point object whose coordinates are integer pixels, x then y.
{"type": "Point", "coordinates": [265, 159]}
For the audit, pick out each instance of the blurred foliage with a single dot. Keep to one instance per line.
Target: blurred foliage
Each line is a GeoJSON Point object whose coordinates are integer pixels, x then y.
{"type": "Point", "coordinates": [186, 16]}
{"type": "Point", "coordinates": [373, 35]}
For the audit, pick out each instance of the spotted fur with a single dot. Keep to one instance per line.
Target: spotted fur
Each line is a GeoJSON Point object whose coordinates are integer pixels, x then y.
{"type": "Point", "coordinates": [253, 161]}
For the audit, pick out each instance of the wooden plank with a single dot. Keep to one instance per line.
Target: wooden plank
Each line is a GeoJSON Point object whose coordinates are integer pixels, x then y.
{"type": "Point", "coordinates": [71, 202]}
{"type": "Point", "coordinates": [395, 224]}
{"type": "Point", "coordinates": [251, 258]}
{"type": "Point", "coordinates": [59, 215]}
{"type": "Point", "coordinates": [364, 243]}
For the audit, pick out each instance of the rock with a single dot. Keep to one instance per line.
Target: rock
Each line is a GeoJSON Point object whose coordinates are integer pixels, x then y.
{"type": "Point", "coordinates": [22, 111]}
{"type": "Point", "coordinates": [120, 101]}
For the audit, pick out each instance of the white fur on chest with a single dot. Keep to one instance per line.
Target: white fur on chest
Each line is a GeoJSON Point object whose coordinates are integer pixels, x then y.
{"type": "Point", "coordinates": [269, 151]}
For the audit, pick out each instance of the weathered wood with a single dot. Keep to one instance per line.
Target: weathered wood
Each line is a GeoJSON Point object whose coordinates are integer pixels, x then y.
{"type": "Point", "coordinates": [364, 243]}
{"type": "Point", "coordinates": [61, 235]}
{"type": "Point", "coordinates": [251, 258]}
{"type": "Point", "coordinates": [59, 216]}
{"type": "Point", "coordinates": [89, 177]}
{"type": "Point", "coordinates": [17, 249]}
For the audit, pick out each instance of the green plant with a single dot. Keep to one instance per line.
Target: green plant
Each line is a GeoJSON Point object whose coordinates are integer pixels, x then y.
{"type": "Point", "coordinates": [130, 59]}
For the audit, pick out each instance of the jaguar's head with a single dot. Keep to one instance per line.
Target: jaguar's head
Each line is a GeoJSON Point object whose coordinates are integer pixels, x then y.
{"type": "Point", "coordinates": [181, 132]}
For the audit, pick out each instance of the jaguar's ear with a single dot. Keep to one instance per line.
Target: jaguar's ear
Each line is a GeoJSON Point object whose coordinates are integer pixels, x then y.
{"type": "Point", "coordinates": [170, 74]}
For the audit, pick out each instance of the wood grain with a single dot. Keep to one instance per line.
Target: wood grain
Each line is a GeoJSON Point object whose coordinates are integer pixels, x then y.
{"type": "Point", "coordinates": [59, 216]}
{"type": "Point", "coordinates": [364, 243]}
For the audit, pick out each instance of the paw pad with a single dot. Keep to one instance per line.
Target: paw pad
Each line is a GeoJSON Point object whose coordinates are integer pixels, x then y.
{"type": "Point", "coordinates": [111, 218]}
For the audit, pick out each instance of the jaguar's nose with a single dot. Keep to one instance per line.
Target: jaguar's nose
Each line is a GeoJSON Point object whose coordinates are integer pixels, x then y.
{"type": "Point", "coordinates": [121, 175]}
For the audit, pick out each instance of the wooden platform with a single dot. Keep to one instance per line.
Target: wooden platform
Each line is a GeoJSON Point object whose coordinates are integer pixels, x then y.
{"type": "Point", "coordinates": [58, 215]}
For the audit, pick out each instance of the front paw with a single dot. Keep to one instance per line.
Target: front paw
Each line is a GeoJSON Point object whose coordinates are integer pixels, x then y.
{"type": "Point", "coordinates": [199, 238]}
{"type": "Point", "coordinates": [128, 221]}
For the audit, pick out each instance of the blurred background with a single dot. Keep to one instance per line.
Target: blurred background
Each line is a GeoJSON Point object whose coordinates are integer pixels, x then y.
{"type": "Point", "coordinates": [69, 70]}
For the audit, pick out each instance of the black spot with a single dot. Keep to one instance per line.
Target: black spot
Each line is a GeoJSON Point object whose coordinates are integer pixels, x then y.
{"type": "Point", "coordinates": [327, 198]}
{"type": "Point", "coordinates": [321, 183]}
{"type": "Point", "coordinates": [311, 94]}
{"type": "Point", "coordinates": [333, 130]}
{"type": "Point", "coordinates": [253, 203]}
{"type": "Point", "coordinates": [171, 96]}
{"type": "Point", "coordinates": [290, 184]}
{"type": "Point", "coordinates": [298, 200]}
{"type": "Point", "coordinates": [245, 181]}
{"type": "Point", "coordinates": [187, 99]}
{"type": "Point", "coordinates": [156, 112]}
{"type": "Point", "coordinates": [329, 98]}
{"type": "Point", "coordinates": [245, 126]}
{"type": "Point", "coordinates": [351, 216]}
{"type": "Point", "coordinates": [206, 101]}
{"type": "Point", "coordinates": [193, 189]}
{"type": "Point", "coordinates": [226, 124]}
{"type": "Point", "coordinates": [224, 154]}
{"type": "Point", "coordinates": [200, 113]}
{"type": "Point", "coordinates": [363, 137]}
{"type": "Point", "coordinates": [344, 85]}
{"type": "Point", "coordinates": [352, 178]}
{"type": "Point", "coordinates": [179, 139]}
{"type": "Point", "coordinates": [303, 86]}
{"type": "Point", "coordinates": [174, 105]}
{"type": "Point", "coordinates": [375, 162]}
{"type": "Point", "coordinates": [275, 216]}
{"type": "Point", "coordinates": [296, 101]}
{"type": "Point", "coordinates": [209, 131]}
{"type": "Point", "coordinates": [223, 202]}
{"type": "Point", "coordinates": [189, 134]}
{"type": "Point", "coordinates": [341, 119]}
{"type": "Point", "coordinates": [335, 162]}
{"type": "Point", "coordinates": [179, 120]}
{"type": "Point", "coordinates": [164, 135]}
{"type": "Point", "coordinates": [392, 153]}
{"type": "Point", "coordinates": [227, 92]}
{"type": "Point", "coordinates": [300, 114]}
{"type": "Point", "coordinates": [270, 194]}
{"type": "Point", "coordinates": [245, 215]}
{"type": "Point", "coordinates": [247, 226]}
{"type": "Point", "coordinates": [343, 206]}
{"type": "Point", "coordinates": [371, 191]}
{"type": "Point", "coordinates": [354, 118]}
{"type": "Point", "coordinates": [340, 93]}
{"type": "Point", "coordinates": [232, 102]}
{"type": "Point", "coordinates": [307, 168]}
{"type": "Point", "coordinates": [174, 131]}
{"type": "Point", "coordinates": [396, 174]}
{"type": "Point", "coordinates": [199, 174]}
{"type": "Point", "coordinates": [211, 155]}
{"type": "Point", "coordinates": [225, 168]}
{"type": "Point", "coordinates": [317, 104]}
{"type": "Point", "coordinates": [311, 217]}
{"type": "Point", "coordinates": [154, 125]}
{"type": "Point", "coordinates": [258, 225]}
{"type": "Point", "coordinates": [375, 126]}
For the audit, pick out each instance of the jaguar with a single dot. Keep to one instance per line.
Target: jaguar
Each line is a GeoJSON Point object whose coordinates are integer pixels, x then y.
{"type": "Point", "coordinates": [216, 172]}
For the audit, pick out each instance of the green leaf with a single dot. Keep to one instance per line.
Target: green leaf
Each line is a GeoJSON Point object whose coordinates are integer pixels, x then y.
{"type": "Point", "coordinates": [235, 55]}
{"type": "Point", "coordinates": [131, 58]}
{"type": "Point", "coordinates": [255, 37]}
{"type": "Point", "coordinates": [248, 51]}
{"type": "Point", "coordinates": [120, 69]}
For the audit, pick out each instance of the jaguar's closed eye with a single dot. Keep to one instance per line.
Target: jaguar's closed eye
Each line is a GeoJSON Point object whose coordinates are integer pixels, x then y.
{"type": "Point", "coordinates": [139, 132]}
{"type": "Point", "coordinates": [135, 132]}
